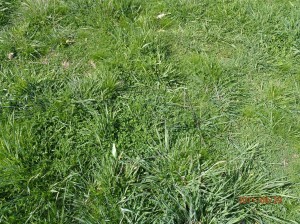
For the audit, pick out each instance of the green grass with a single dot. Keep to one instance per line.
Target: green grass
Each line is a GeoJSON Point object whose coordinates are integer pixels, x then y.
{"type": "Point", "coordinates": [202, 105]}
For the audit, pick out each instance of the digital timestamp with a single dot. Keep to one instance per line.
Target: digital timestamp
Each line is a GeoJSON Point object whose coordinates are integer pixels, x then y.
{"type": "Point", "coordinates": [261, 200]}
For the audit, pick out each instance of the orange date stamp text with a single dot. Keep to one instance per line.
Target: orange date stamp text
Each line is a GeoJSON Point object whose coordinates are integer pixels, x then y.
{"type": "Point", "coordinates": [260, 200]}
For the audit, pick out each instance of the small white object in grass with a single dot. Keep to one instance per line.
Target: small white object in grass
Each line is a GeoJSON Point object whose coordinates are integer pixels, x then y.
{"type": "Point", "coordinates": [11, 56]}
{"type": "Point", "coordinates": [162, 15]}
{"type": "Point", "coordinates": [114, 150]}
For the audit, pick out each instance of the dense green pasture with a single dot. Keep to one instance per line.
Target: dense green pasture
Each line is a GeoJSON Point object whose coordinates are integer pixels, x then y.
{"type": "Point", "coordinates": [162, 111]}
